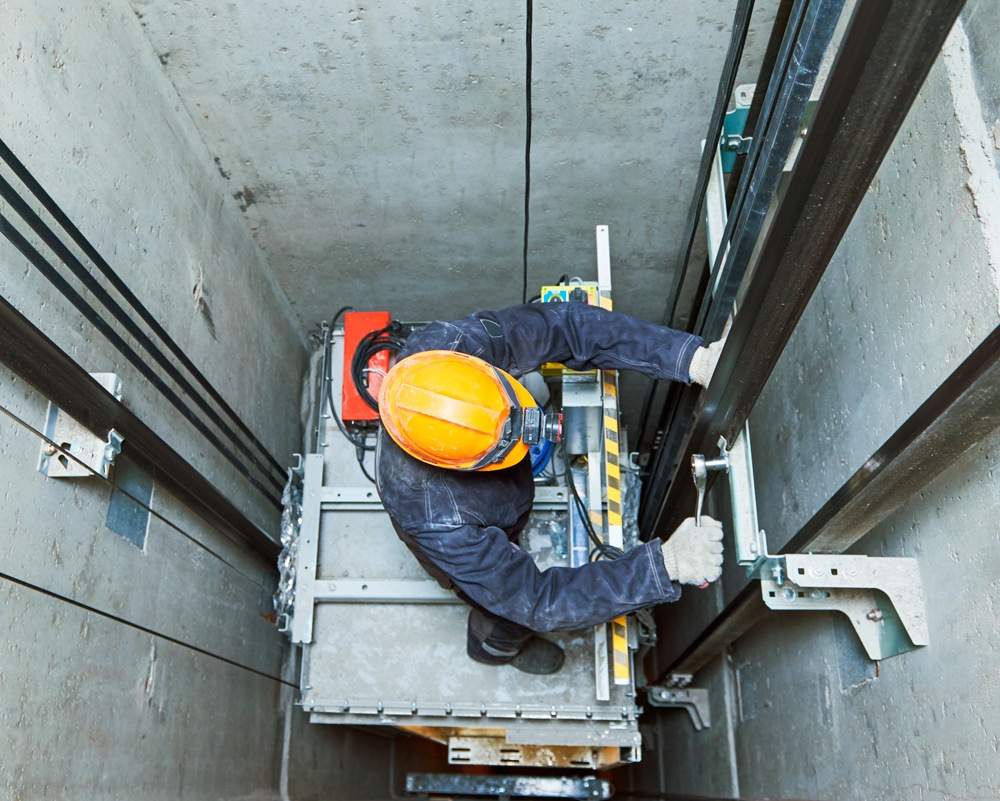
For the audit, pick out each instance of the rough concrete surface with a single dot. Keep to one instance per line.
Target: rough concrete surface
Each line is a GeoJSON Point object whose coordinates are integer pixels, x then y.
{"type": "Point", "coordinates": [378, 150]}
{"type": "Point", "coordinates": [248, 170]}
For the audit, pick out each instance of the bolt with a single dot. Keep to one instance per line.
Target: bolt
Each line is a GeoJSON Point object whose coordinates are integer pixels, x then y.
{"type": "Point", "coordinates": [817, 594]}
{"type": "Point", "coordinates": [51, 450]}
{"type": "Point", "coordinates": [779, 574]}
{"type": "Point", "coordinates": [789, 594]}
{"type": "Point", "coordinates": [875, 615]}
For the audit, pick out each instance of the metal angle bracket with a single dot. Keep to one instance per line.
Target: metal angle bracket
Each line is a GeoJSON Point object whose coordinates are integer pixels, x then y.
{"type": "Point", "coordinates": [96, 453]}
{"type": "Point", "coordinates": [882, 596]}
{"type": "Point", "coordinates": [692, 699]}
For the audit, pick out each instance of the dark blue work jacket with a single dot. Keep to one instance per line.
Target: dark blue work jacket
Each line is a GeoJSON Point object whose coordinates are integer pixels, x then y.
{"type": "Point", "coordinates": [459, 524]}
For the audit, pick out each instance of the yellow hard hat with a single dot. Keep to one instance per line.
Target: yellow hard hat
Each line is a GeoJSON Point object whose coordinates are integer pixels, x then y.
{"type": "Point", "coordinates": [457, 411]}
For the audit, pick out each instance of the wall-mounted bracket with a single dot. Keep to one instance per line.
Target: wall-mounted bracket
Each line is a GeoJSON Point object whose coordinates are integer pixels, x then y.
{"type": "Point", "coordinates": [882, 596]}
{"type": "Point", "coordinates": [734, 143]}
{"type": "Point", "coordinates": [692, 699]}
{"type": "Point", "coordinates": [95, 453]}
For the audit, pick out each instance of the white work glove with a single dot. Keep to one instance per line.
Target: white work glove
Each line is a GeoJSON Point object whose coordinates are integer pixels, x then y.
{"type": "Point", "coordinates": [704, 361]}
{"type": "Point", "coordinates": [693, 554]}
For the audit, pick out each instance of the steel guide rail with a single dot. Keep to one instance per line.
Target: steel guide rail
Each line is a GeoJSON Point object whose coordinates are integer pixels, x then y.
{"type": "Point", "coordinates": [885, 56]}
{"type": "Point", "coordinates": [272, 470]}
{"type": "Point", "coordinates": [810, 30]}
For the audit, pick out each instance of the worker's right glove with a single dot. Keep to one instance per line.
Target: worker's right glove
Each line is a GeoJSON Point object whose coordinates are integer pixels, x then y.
{"type": "Point", "coordinates": [693, 554]}
{"type": "Point", "coordinates": [704, 361]}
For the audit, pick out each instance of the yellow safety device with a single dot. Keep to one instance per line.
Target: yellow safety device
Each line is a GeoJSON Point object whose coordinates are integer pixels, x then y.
{"type": "Point", "coordinates": [457, 411]}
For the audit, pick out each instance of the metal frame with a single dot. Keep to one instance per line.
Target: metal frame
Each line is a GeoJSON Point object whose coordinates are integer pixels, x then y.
{"type": "Point", "coordinates": [95, 453]}
{"type": "Point", "coordinates": [808, 36]}
{"type": "Point", "coordinates": [882, 596]}
{"type": "Point", "coordinates": [884, 58]}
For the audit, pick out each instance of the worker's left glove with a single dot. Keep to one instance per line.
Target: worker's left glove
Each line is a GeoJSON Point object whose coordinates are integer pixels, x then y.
{"type": "Point", "coordinates": [693, 554]}
{"type": "Point", "coordinates": [704, 362]}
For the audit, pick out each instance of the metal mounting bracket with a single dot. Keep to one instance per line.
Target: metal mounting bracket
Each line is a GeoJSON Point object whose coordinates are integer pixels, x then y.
{"type": "Point", "coordinates": [734, 143]}
{"type": "Point", "coordinates": [692, 699]}
{"type": "Point", "coordinates": [882, 596]}
{"type": "Point", "coordinates": [96, 453]}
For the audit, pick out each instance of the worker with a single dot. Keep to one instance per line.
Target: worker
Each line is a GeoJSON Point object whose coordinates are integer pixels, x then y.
{"type": "Point", "coordinates": [454, 475]}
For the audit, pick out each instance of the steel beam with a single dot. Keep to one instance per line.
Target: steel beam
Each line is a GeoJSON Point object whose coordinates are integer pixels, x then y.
{"type": "Point", "coordinates": [885, 56]}
{"type": "Point", "coordinates": [51, 371]}
{"type": "Point", "coordinates": [961, 412]}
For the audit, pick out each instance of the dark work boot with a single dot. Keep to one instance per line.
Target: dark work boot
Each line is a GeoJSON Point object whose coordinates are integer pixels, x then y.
{"type": "Point", "coordinates": [539, 656]}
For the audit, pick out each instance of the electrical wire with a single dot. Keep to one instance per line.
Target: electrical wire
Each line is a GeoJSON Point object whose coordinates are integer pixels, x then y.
{"type": "Point", "coordinates": [527, 143]}
{"type": "Point", "coordinates": [601, 550]}
{"type": "Point", "coordinates": [389, 338]}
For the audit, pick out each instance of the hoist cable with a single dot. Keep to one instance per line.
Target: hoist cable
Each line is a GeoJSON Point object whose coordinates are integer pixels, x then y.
{"type": "Point", "coordinates": [8, 193]}
{"type": "Point", "coordinates": [57, 280]}
{"type": "Point", "coordinates": [115, 280]}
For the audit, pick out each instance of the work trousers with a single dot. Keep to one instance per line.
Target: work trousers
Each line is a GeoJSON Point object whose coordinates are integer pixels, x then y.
{"type": "Point", "coordinates": [490, 639]}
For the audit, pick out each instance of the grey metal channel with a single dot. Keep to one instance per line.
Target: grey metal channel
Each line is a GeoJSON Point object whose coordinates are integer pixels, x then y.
{"type": "Point", "coordinates": [580, 787]}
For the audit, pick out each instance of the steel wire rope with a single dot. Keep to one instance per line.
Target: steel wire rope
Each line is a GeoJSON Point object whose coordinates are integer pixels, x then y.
{"type": "Point", "coordinates": [8, 193]}
{"type": "Point", "coordinates": [43, 266]}
{"type": "Point", "coordinates": [139, 627]}
{"type": "Point", "coordinates": [23, 174]}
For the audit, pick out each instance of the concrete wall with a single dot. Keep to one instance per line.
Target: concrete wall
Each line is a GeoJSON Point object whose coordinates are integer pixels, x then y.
{"type": "Point", "coordinates": [154, 671]}
{"type": "Point", "coordinates": [911, 291]}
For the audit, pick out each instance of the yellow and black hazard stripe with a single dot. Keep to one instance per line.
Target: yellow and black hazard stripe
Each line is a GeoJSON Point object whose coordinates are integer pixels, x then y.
{"type": "Point", "coordinates": [612, 472]}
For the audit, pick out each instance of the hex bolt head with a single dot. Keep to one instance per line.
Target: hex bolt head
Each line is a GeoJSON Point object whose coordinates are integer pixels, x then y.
{"type": "Point", "coordinates": [875, 615]}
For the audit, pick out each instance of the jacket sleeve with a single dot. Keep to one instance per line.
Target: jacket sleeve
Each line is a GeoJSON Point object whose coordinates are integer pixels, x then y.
{"type": "Point", "coordinates": [582, 337]}
{"type": "Point", "coordinates": [504, 579]}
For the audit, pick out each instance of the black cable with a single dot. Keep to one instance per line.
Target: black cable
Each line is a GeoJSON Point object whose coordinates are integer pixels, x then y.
{"type": "Point", "coordinates": [602, 550]}
{"type": "Point", "coordinates": [361, 464]}
{"type": "Point", "coordinates": [372, 343]}
{"type": "Point", "coordinates": [139, 627]}
{"type": "Point", "coordinates": [46, 269]}
{"type": "Point", "coordinates": [527, 145]}
{"type": "Point", "coordinates": [357, 439]}
{"type": "Point", "coordinates": [326, 396]}
{"type": "Point", "coordinates": [90, 251]}
{"type": "Point", "coordinates": [8, 193]}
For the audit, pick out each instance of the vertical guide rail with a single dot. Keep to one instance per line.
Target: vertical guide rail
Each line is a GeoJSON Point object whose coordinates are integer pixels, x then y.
{"type": "Point", "coordinates": [612, 467]}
